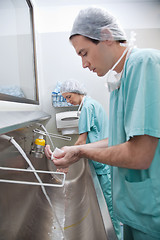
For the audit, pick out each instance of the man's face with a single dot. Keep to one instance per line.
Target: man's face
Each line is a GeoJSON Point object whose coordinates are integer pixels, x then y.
{"type": "Point", "coordinates": [96, 57]}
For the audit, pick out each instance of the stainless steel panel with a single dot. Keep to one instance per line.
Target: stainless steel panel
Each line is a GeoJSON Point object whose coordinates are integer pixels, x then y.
{"type": "Point", "coordinates": [11, 121]}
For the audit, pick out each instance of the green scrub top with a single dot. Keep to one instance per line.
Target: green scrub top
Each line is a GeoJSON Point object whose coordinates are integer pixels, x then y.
{"type": "Point", "coordinates": [135, 110]}
{"type": "Point", "coordinates": [94, 121]}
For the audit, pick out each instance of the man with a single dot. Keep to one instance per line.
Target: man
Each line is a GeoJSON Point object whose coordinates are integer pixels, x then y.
{"type": "Point", "coordinates": [133, 146]}
{"type": "Point", "coordinates": [93, 126]}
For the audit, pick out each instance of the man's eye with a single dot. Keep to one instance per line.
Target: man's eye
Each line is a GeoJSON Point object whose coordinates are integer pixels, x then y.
{"type": "Point", "coordinates": [84, 54]}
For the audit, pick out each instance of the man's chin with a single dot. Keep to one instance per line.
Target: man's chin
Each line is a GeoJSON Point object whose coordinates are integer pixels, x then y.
{"type": "Point", "coordinates": [100, 74]}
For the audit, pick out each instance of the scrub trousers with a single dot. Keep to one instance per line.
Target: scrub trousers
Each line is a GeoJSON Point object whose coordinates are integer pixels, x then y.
{"type": "Point", "coordinates": [105, 183]}
{"type": "Point", "coordinates": [134, 234]}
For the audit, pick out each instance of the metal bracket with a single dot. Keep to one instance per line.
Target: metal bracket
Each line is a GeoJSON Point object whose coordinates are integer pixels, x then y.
{"type": "Point", "coordinates": [58, 176]}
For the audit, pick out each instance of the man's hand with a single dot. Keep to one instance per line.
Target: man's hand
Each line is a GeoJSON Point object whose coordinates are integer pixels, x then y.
{"type": "Point", "coordinates": [69, 156]}
{"type": "Point", "coordinates": [48, 152]}
{"type": "Point", "coordinates": [52, 155]}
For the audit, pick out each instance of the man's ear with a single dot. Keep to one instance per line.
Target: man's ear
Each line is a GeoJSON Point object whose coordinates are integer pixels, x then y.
{"type": "Point", "coordinates": [109, 42]}
{"type": "Point", "coordinates": [106, 35]}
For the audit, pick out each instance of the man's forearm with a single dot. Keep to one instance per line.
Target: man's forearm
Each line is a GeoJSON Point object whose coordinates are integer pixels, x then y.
{"type": "Point", "coordinates": [100, 144]}
{"type": "Point", "coordinates": [137, 153]}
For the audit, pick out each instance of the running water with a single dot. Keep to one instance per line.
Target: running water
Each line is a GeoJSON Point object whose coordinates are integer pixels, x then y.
{"type": "Point", "coordinates": [60, 211]}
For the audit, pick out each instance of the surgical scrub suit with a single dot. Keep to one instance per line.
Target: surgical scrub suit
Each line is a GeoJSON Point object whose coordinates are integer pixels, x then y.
{"type": "Point", "coordinates": [135, 110]}
{"type": "Point", "coordinates": [94, 121]}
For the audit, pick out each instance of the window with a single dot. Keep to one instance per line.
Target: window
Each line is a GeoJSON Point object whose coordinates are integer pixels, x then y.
{"type": "Point", "coordinates": [18, 78]}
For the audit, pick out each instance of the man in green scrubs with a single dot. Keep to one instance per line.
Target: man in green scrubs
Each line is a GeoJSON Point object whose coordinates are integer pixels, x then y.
{"type": "Point", "coordinates": [133, 146]}
{"type": "Point", "coordinates": [93, 127]}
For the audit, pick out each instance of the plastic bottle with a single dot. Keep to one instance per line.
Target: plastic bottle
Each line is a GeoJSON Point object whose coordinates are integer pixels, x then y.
{"type": "Point", "coordinates": [39, 147]}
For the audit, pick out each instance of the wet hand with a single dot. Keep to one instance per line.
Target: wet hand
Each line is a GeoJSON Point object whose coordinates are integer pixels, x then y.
{"type": "Point", "coordinates": [69, 156]}
{"type": "Point", "coordinates": [57, 153]}
{"type": "Point", "coordinates": [48, 151]}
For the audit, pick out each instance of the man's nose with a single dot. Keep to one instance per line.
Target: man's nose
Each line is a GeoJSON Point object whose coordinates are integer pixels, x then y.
{"type": "Point", "coordinates": [85, 64]}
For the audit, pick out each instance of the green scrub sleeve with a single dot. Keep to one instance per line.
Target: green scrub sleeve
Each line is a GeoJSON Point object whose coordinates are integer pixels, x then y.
{"type": "Point", "coordinates": [142, 99]}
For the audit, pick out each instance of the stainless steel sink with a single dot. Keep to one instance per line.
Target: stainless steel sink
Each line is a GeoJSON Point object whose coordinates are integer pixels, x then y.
{"type": "Point", "coordinates": [79, 210]}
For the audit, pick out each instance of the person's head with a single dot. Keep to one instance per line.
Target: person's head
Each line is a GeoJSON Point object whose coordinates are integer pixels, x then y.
{"type": "Point", "coordinates": [73, 91]}
{"type": "Point", "coordinates": [94, 32]}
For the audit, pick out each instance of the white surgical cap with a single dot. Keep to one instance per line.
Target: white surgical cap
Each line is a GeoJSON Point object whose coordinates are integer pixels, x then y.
{"type": "Point", "coordinates": [73, 86]}
{"type": "Point", "coordinates": [98, 24]}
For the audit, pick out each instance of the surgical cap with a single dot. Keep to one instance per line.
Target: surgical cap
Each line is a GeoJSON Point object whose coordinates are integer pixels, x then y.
{"type": "Point", "coordinates": [98, 24]}
{"type": "Point", "coordinates": [72, 86]}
